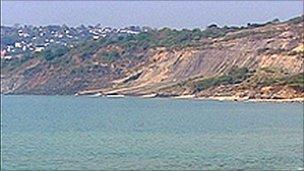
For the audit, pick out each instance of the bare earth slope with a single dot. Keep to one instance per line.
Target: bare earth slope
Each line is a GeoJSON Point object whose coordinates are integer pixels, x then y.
{"type": "Point", "coordinates": [262, 62]}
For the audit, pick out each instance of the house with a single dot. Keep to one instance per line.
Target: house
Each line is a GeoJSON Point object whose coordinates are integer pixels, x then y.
{"type": "Point", "coordinates": [95, 37]}
{"type": "Point", "coordinates": [3, 53]}
{"type": "Point", "coordinates": [4, 56]}
{"type": "Point", "coordinates": [39, 48]}
{"type": "Point", "coordinates": [18, 45]}
{"type": "Point", "coordinates": [9, 48]}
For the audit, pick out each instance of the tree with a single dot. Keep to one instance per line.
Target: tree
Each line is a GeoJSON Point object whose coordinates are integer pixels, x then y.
{"type": "Point", "coordinates": [212, 26]}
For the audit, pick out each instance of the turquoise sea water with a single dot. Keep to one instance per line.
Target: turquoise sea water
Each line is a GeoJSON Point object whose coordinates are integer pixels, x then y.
{"type": "Point", "coordinates": [65, 132]}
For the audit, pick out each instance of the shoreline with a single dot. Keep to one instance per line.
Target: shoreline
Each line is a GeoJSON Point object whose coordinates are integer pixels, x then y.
{"type": "Point", "coordinates": [182, 97]}
{"type": "Point", "coordinates": [237, 99]}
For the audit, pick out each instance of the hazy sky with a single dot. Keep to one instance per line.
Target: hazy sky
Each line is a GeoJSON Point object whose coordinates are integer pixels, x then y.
{"type": "Point", "coordinates": [176, 14]}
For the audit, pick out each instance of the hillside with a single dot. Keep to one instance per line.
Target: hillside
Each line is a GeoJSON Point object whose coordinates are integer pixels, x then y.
{"type": "Point", "coordinates": [260, 61]}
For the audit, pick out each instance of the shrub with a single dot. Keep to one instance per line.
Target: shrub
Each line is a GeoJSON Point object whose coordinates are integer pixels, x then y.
{"type": "Point", "coordinates": [235, 76]}
{"type": "Point", "coordinates": [111, 56]}
{"type": "Point", "coordinates": [54, 52]}
{"type": "Point", "coordinates": [296, 80]}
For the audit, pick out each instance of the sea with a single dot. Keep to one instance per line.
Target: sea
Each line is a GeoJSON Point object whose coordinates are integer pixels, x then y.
{"type": "Point", "coordinates": [86, 133]}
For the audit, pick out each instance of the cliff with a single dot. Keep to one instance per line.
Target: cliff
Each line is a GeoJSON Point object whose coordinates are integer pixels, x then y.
{"type": "Point", "coordinates": [259, 62]}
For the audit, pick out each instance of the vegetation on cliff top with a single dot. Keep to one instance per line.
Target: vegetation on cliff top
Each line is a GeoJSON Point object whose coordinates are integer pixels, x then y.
{"type": "Point", "coordinates": [132, 44]}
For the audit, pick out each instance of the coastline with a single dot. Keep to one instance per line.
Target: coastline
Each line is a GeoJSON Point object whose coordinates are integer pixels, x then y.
{"type": "Point", "coordinates": [238, 99]}
{"type": "Point", "coordinates": [183, 97]}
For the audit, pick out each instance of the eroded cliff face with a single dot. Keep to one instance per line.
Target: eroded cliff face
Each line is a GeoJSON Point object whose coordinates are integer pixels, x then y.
{"type": "Point", "coordinates": [274, 50]}
{"type": "Point", "coordinates": [277, 47]}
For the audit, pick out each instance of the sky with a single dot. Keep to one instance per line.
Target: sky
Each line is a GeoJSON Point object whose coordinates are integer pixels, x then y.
{"type": "Point", "coordinates": [157, 14]}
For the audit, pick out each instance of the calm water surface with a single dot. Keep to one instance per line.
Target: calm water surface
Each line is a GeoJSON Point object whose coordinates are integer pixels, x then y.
{"type": "Point", "coordinates": [65, 132]}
